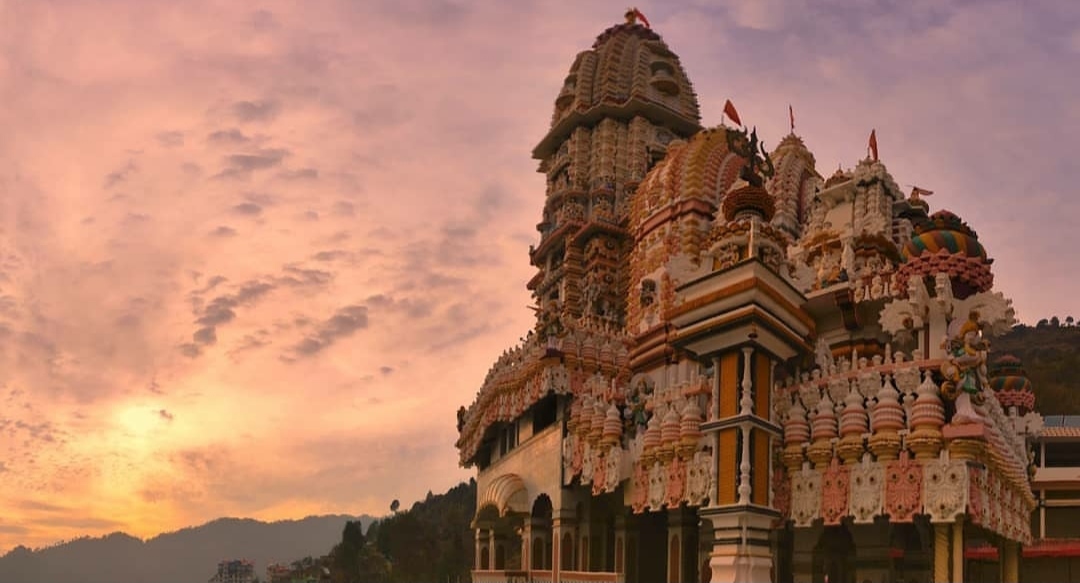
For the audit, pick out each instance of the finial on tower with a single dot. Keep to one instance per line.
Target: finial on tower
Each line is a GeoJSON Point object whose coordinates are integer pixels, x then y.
{"type": "Point", "coordinates": [633, 15]}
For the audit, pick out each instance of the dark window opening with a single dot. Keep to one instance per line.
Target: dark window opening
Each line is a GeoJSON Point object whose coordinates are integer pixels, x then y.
{"type": "Point", "coordinates": [544, 413]}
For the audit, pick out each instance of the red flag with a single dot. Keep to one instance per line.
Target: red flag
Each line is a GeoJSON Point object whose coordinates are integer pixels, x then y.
{"type": "Point", "coordinates": [641, 17]}
{"type": "Point", "coordinates": [791, 114]}
{"type": "Point", "coordinates": [916, 192]}
{"type": "Point", "coordinates": [729, 110]}
{"type": "Point", "coordinates": [873, 143]}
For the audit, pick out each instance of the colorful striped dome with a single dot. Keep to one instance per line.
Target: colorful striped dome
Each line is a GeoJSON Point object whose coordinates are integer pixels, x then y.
{"type": "Point", "coordinates": [1011, 385]}
{"type": "Point", "coordinates": [945, 231]}
{"type": "Point", "coordinates": [945, 244]}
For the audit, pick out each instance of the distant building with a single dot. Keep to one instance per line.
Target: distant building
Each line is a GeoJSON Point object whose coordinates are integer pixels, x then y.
{"type": "Point", "coordinates": [234, 571]}
{"type": "Point", "coordinates": [744, 371]}
{"type": "Point", "coordinates": [278, 573]}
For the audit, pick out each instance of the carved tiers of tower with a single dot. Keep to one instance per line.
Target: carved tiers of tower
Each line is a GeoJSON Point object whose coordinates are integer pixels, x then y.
{"type": "Point", "coordinates": [671, 215]}
{"type": "Point", "coordinates": [793, 185]}
{"type": "Point", "coordinates": [629, 71]}
{"type": "Point", "coordinates": [623, 103]}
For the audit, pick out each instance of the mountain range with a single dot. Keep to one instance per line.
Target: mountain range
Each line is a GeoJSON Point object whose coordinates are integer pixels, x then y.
{"type": "Point", "coordinates": [189, 555]}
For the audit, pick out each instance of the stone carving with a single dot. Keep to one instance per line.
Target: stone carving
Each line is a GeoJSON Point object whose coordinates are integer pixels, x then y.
{"type": "Point", "coordinates": [781, 485]}
{"type": "Point", "coordinates": [698, 473]}
{"type": "Point", "coordinates": [965, 368]}
{"type": "Point", "coordinates": [568, 458]}
{"type": "Point", "coordinates": [805, 496]}
{"type": "Point", "coordinates": [587, 463]}
{"type": "Point", "coordinates": [657, 487]}
{"type": "Point", "coordinates": [675, 489]}
{"type": "Point", "coordinates": [599, 476]}
{"type": "Point", "coordinates": [835, 485]}
{"type": "Point", "coordinates": [640, 498]}
{"type": "Point", "coordinates": [946, 490]}
{"type": "Point", "coordinates": [867, 489]}
{"type": "Point", "coordinates": [612, 467]}
{"type": "Point", "coordinates": [903, 489]}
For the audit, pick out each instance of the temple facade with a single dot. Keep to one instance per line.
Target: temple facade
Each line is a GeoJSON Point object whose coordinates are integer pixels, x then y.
{"type": "Point", "coordinates": [740, 370]}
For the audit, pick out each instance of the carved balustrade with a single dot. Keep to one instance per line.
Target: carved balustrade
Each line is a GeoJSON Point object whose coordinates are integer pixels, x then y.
{"type": "Point", "coordinates": [873, 440]}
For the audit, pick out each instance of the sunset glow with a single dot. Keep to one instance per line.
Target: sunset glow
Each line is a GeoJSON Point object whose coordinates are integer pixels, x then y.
{"type": "Point", "coordinates": [253, 257]}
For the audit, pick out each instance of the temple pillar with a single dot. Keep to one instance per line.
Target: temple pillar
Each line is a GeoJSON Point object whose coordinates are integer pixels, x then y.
{"type": "Point", "coordinates": [481, 541]}
{"type": "Point", "coordinates": [530, 559]}
{"type": "Point", "coordinates": [741, 550]}
{"type": "Point", "coordinates": [1010, 561]}
{"type": "Point", "coordinates": [941, 553]}
{"type": "Point", "coordinates": [492, 549]}
{"type": "Point", "coordinates": [620, 544]}
{"type": "Point", "coordinates": [562, 524]}
{"type": "Point", "coordinates": [958, 551]}
{"type": "Point", "coordinates": [682, 545]}
{"type": "Point", "coordinates": [584, 537]}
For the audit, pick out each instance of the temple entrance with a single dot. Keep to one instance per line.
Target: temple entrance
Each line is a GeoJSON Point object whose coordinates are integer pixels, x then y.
{"type": "Point", "coordinates": [652, 548]}
{"type": "Point", "coordinates": [833, 558]}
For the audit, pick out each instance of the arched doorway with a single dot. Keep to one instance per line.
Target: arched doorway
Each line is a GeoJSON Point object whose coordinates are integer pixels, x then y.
{"type": "Point", "coordinates": [540, 526]}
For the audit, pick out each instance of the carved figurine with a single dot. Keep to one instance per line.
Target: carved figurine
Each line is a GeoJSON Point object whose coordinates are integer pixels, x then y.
{"type": "Point", "coordinates": [965, 369]}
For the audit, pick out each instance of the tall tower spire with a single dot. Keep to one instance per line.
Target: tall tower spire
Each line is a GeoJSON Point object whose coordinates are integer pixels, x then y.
{"type": "Point", "coordinates": [620, 106]}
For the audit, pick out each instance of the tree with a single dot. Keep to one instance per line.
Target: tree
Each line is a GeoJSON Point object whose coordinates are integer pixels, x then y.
{"type": "Point", "coordinates": [1055, 322]}
{"type": "Point", "coordinates": [1043, 323]}
{"type": "Point", "coordinates": [1069, 320]}
{"type": "Point", "coordinates": [395, 505]}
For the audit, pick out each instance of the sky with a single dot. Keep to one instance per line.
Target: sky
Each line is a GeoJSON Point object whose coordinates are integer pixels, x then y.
{"type": "Point", "coordinates": [254, 255]}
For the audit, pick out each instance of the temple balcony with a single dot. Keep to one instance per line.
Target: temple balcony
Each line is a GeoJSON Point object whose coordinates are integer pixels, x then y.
{"type": "Point", "coordinates": [878, 437]}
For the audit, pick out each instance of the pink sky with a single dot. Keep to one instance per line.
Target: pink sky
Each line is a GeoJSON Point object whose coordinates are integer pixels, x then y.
{"type": "Point", "coordinates": [253, 256]}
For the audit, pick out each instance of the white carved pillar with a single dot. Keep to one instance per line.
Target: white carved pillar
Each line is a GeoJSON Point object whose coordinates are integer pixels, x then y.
{"type": "Point", "coordinates": [746, 407]}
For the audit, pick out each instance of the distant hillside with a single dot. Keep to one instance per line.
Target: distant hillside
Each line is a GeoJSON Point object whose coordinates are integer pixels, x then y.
{"type": "Point", "coordinates": [429, 542]}
{"type": "Point", "coordinates": [186, 556]}
{"type": "Point", "coordinates": [1050, 352]}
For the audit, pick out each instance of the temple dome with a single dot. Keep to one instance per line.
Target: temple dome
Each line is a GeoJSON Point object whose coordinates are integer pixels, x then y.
{"type": "Point", "coordinates": [946, 244]}
{"type": "Point", "coordinates": [838, 177]}
{"type": "Point", "coordinates": [629, 71]}
{"type": "Point", "coordinates": [702, 169]}
{"type": "Point", "coordinates": [945, 231]}
{"type": "Point", "coordinates": [1011, 385]}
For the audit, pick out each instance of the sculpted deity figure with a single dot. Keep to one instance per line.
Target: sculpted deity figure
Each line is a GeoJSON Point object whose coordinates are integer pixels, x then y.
{"type": "Point", "coordinates": [965, 369]}
{"type": "Point", "coordinates": [550, 324]}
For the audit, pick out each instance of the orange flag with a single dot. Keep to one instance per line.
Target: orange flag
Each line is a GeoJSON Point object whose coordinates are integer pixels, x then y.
{"type": "Point", "coordinates": [729, 110]}
{"type": "Point", "coordinates": [641, 17]}
{"type": "Point", "coordinates": [873, 143]}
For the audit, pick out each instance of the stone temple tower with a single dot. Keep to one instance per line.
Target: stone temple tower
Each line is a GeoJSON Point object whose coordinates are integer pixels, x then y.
{"type": "Point", "coordinates": [623, 101]}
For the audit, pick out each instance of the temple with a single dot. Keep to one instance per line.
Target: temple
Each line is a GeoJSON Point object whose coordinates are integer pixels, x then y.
{"type": "Point", "coordinates": [741, 370]}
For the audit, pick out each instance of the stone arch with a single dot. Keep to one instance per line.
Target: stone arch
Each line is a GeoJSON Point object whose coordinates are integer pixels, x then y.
{"type": "Point", "coordinates": [541, 532]}
{"type": "Point", "coordinates": [507, 493]}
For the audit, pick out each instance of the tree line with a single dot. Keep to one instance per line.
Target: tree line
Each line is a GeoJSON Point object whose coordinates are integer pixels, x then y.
{"type": "Point", "coordinates": [429, 542]}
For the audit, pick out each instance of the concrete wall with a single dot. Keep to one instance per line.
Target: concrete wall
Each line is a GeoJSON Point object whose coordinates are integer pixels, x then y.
{"type": "Point", "coordinates": [537, 460]}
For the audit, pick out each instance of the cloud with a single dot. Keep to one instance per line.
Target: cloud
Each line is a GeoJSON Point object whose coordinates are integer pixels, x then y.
{"type": "Point", "coordinates": [172, 139]}
{"type": "Point", "coordinates": [165, 415]}
{"type": "Point", "coordinates": [117, 176]}
{"type": "Point", "coordinates": [241, 166]}
{"type": "Point", "coordinates": [247, 208]}
{"type": "Point", "coordinates": [221, 310]}
{"type": "Point", "coordinates": [230, 137]}
{"type": "Point", "coordinates": [222, 231]}
{"type": "Point", "coordinates": [300, 174]}
{"type": "Point", "coordinates": [343, 323]}
{"type": "Point", "coordinates": [252, 111]}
